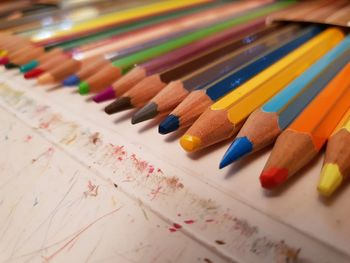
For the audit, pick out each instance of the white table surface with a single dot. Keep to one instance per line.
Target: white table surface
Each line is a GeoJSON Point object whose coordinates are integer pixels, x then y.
{"type": "Point", "coordinates": [78, 185]}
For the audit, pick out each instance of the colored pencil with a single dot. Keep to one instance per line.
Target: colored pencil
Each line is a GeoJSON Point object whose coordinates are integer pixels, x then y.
{"type": "Point", "coordinates": [97, 60]}
{"type": "Point", "coordinates": [73, 46]}
{"type": "Point", "coordinates": [303, 139]}
{"type": "Point", "coordinates": [117, 18]}
{"type": "Point", "coordinates": [266, 123]}
{"type": "Point", "coordinates": [228, 56]}
{"type": "Point", "coordinates": [224, 118]}
{"type": "Point", "coordinates": [253, 30]}
{"type": "Point", "coordinates": [71, 13]}
{"type": "Point", "coordinates": [96, 83]}
{"type": "Point", "coordinates": [336, 167]}
{"type": "Point", "coordinates": [202, 97]}
{"type": "Point", "coordinates": [167, 99]}
{"type": "Point", "coordinates": [74, 36]}
{"type": "Point", "coordinates": [159, 33]}
{"type": "Point", "coordinates": [197, 20]}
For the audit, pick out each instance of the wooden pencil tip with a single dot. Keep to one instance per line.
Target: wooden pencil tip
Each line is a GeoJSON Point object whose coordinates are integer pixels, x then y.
{"type": "Point", "coordinates": [46, 78]}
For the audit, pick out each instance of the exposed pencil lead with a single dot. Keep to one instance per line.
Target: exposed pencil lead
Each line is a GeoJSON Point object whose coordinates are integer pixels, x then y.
{"type": "Point", "coordinates": [72, 80]}
{"type": "Point", "coordinates": [107, 94]}
{"type": "Point", "coordinates": [169, 124]}
{"type": "Point", "coordinates": [121, 104]}
{"type": "Point", "coordinates": [149, 111]}
{"type": "Point", "coordinates": [273, 177]}
{"type": "Point", "coordinates": [239, 148]}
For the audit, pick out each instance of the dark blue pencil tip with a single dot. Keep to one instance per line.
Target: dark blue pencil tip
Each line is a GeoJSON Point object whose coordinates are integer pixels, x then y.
{"type": "Point", "coordinates": [169, 124]}
{"type": "Point", "coordinates": [72, 80]}
{"type": "Point", "coordinates": [240, 147]}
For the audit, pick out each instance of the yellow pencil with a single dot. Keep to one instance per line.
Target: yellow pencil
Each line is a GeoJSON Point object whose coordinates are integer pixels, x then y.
{"type": "Point", "coordinates": [117, 17]}
{"type": "Point", "coordinates": [223, 119]}
{"type": "Point", "coordinates": [336, 165]}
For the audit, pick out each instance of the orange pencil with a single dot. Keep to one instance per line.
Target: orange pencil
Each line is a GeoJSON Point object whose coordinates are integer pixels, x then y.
{"type": "Point", "coordinates": [304, 138]}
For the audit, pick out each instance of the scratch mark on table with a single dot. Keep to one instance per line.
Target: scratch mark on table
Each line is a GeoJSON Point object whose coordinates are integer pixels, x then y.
{"type": "Point", "coordinates": [77, 235]}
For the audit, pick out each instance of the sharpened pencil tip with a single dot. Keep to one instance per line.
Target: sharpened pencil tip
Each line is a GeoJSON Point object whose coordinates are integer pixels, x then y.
{"type": "Point", "coordinates": [273, 177]}
{"type": "Point", "coordinates": [11, 65]}
{"type": "Point", "coordinates": [331, 179]}
{"type": "Point", "coordinates": [190, 143]}
{"type": "Point", "coordinates": [169, 124]}
{"type": "Point", "coordinates": [239, 148]}
{"type": "Point", "coordinates": [33, 73]}
{"type": "Point", "coordinates": [4, 60]}
{"type": "Point", "coordinates": [84, 88]}
{"type": "Point", "coordinates": [121, 104]}
{"type": "Point", "coordinates": [149, 111]}
{"type": "Point", "coordinates": [71, 81]}
{"type": "Point", "coordinates": [107, 94]}
{"type": "Point", "coordinates": [3, 53]}
{"type": "Point", "coordinates": [29, 66]}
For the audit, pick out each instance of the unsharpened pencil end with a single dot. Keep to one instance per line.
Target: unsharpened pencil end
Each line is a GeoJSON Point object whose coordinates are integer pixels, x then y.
{"type": "Point", "coordinates": [29, 66]}
{"type": "Point", "coordinates": [190, 143]}
{"type": "Point", "coordinates": [71, 81]}
{"type": "Point", "coordinates": [11, 65]}
{"type": "Point", "coordinates": [84, 88]}
{"type": "Point", "coordinates": [121, 104]}
{"type": "Point", "coordinates": [34, 73]}
{"type": "Point", "coordinates": [4, 60]}
{"type": "Point", "coordinates": [331, 179]}
{"type": "Point", "coordinates": [107, 94]}
{"type": "Point", "coordinates": [46, 78]}
{"type": "Point", "coordinates": [239, 148]}
{"type": "Point", "coordinates": [273, 177]}
{"type": "Point", "coordinates": [169, 124]}
{"type": "Point", "coordinates": [149, 111]}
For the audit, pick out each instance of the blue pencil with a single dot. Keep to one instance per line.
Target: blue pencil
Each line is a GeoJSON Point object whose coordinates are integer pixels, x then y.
{"type": "Point", "coordinates": [266, 123]}
{"type": "Point", "coordinates": [204, 95]}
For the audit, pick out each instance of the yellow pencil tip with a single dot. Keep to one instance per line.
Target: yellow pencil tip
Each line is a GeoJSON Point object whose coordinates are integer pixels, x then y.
{"type": "Point", "coordinates": [3, 53]}
{"type": "Point", "coordinates": [190, 143]}
{"type": "Point", "coordinates": [46, 79]}
{"type": "Point", "coordinates": [331, 179]}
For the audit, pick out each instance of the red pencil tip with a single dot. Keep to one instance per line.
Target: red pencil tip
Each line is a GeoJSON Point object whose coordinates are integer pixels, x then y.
{"type": "Point", "coordinates": [33, 73]}
{"type": "Point", "coordinates": [273, 177]}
